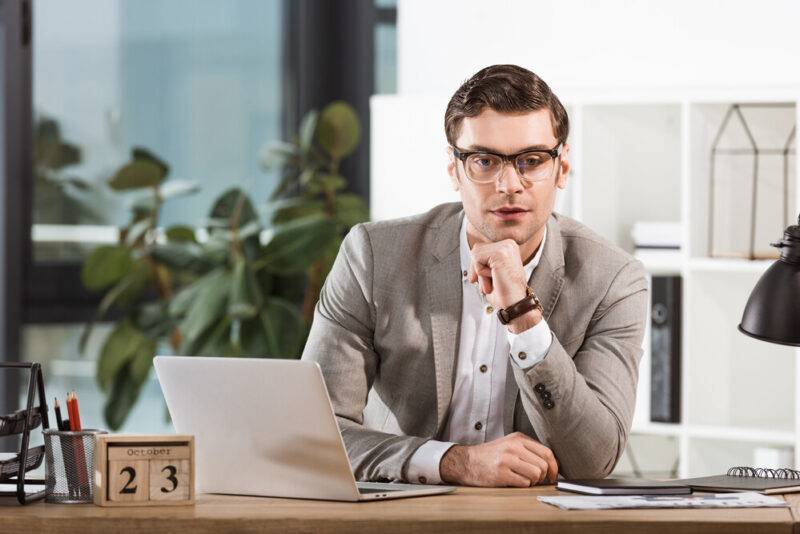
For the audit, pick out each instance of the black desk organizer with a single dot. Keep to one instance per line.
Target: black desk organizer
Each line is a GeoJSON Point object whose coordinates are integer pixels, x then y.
{"type": "Point", "coordinates": [22, 422]}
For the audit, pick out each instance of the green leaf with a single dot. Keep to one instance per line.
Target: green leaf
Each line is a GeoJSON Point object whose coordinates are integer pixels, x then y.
{"type": "Point", "coordinates": [277, 153]}
{"type": "Point", "coordinates": [152, 319]}
{"type": "Point", "coordinates": [209, 307]}
{"type": "Point", "coordinates": [123, 292]}
{"type": "Point", "coordinates": [245, 294]}
{"type": "Point", "coordinates": [229, 203]}
{"type": "Point", "coordinates": [296, 208]}
{"type": "Point", "coordinates": [351, 209]}
{"type": "Point", "coordinates": [289, 179]}
{"type": "Point", "coordinates": [182, 256]}
{"type": "Point", "coordinates": [327, 182]}
{"type": "Point", "coordinates": [121, 399]}
{"type": "Point", "coordinates": [297, 245]}
{"type": "Point", "coordinates": [117, 350]}
{"type": "Point", "coordinates": [142, 154]}
{"type": "Point", "coordinates": [181, 233]}
{"type": "Point", "coordinates": [249, 230]}
{"type": "Point", "coordinates": [136, 175]}
{"type": "Point", "coordinates": [136, 231]}
{"type": "Point", "coordinates": [212, 342]}
{"type": "Point", "coordinates": [339, 129]}
{"type": "Point", "coordinates": [142, 359]}
{"type": "Point", "coordinates": [277, 332]}
{"type": "Point", "coordinates": [177, 188]}
{"type": "Point", "coordinates": [307, 128]}
{"type": "Point", "coordinates": [105, 265]}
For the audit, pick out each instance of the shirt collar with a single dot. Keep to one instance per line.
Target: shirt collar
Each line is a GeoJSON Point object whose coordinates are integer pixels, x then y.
{"type": "Point", "coordinates": [465, 258]}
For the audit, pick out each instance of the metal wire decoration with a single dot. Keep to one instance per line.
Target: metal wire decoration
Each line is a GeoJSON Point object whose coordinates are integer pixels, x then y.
{"type": "Point", "coordinates": [759, 154]}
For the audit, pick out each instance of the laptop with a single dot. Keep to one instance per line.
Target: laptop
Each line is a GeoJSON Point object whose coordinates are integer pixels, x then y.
{"type": "Point", "coordinates": [267, 428]}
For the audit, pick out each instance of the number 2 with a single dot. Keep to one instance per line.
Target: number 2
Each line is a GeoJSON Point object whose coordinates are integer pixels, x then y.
{"type": "Point", "coordinates": [132, 473]}
{"type": "Point", "coordinates": [171, 478]}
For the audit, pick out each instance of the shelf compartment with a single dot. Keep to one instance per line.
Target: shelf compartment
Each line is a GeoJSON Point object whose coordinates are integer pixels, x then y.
{"type": "Point", "coordinates": [14, 423]}
{"type": "Point", "coordinates": [732, 380]}
{"type": "Point", "coordinates": [10, 467]}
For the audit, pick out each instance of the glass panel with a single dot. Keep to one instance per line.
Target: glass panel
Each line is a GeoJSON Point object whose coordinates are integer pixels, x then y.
{"type": "Point", "coordinates": [385, 58]}
{"type": "Point", "coordinates": [197, 82]}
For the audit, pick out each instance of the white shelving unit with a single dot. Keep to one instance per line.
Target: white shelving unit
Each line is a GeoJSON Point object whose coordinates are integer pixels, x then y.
{"type": "Point", "coordinates": [641, 158]}
{"type": "Point", "coordinates": [645, 156]}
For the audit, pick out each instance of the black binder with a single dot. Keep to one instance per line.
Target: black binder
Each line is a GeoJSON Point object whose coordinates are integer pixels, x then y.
{"type": "Point", "coordinates": [665, 350]}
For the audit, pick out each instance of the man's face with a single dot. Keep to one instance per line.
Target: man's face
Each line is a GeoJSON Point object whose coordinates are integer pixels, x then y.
{"type": "Point", "coordinates": [508, 208]}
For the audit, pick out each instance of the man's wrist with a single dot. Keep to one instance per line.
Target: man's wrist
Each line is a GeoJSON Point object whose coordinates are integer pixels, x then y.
{"type": "Point", "coordinates": [453, 464]}
{"type": "Point", "coordinates": [525, 321]}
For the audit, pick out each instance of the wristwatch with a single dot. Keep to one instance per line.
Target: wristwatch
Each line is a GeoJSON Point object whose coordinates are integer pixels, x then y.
{"type": "Point", "coordinates": [529, 302]}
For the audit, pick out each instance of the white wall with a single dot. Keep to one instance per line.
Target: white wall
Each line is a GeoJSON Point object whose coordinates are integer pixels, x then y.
{"type": "Point", "coordinates": [579, 44]}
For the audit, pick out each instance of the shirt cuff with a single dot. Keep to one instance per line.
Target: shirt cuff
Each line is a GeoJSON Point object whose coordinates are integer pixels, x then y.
{"type": "Point", "coordinates": [423, 467]}
{"type": "Point", "coordinates": [531, 346]}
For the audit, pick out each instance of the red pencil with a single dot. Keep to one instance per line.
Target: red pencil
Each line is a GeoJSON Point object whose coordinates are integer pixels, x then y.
{"type": "Point", "coordinates": [70, 412]}
{"type": "Point", "coordinates": [76, 412]}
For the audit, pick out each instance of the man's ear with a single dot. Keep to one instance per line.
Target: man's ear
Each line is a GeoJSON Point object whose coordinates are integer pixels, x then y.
{"type": "Point", "coordinates": [563, 169]}
{"type": "Point", "coordinates": [451, 169]}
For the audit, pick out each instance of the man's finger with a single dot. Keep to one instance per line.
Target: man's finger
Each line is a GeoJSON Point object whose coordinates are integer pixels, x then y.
{"type": "Point", "coordinates": [542, 452]}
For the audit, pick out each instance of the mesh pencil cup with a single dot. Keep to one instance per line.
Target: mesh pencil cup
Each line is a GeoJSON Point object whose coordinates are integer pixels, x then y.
{"type": "Point", "coordinates": [69, 465]}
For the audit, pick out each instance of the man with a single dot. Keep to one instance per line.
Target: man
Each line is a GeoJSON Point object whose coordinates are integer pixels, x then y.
{"type": "Point", "coordinates": [489, 342]}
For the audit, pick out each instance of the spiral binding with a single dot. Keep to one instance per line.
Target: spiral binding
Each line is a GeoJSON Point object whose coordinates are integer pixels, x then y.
{"type": "Point", "coordinates": [763, 472]}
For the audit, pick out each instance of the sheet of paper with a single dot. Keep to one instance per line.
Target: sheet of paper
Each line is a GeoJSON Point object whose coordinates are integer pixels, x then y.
{"type": "Point", "coordinates": [718, 500]}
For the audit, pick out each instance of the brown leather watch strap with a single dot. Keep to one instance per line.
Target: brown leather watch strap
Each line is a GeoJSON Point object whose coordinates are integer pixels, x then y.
{"type": "Point", "coordinates": [528, 303]}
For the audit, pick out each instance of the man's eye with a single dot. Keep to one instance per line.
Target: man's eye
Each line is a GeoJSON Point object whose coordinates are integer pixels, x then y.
{"type": "Point", "coordinates": [532, 161]}
{"type": "Point", "coordinates": [483, 162]}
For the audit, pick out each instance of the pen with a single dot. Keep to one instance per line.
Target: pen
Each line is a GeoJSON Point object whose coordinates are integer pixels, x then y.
{"type": "Point", "coordinates": [59, 422]}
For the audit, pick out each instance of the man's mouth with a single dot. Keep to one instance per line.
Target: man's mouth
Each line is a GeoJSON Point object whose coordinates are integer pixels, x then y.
{"type": "Point", "coordinates": [509, 212]}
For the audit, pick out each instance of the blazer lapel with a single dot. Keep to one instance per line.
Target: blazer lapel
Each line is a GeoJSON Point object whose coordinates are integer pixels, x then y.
{"type": "Point", "coordinates": [546, 281]}
{"type": "Point", "coordinates": [443, 279]}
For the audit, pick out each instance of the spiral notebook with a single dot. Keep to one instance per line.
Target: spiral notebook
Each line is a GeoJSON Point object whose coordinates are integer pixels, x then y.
{"type": "Point", "coordinates": [762, 480]}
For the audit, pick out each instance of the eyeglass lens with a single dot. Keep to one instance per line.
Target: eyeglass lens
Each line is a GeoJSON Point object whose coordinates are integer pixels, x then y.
{"type": "Point", "coordinates": [531, 166]}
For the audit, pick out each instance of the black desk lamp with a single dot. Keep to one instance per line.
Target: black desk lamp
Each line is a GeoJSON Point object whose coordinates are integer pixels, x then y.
{"type": "Point", "coordinates": [772, 312]}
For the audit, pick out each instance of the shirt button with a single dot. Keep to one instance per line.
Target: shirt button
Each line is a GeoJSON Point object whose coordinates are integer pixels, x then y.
{"type": "Point", "coordinates": [484, 368]}
{"type": "Point", "coordinates": [478, 425]}
{"type": "Point", "coordinates": [423, 480]}
{"type": "Point", "coordinates": [489, 309]}
{"type": "Point", "coordinates": [538, 388]}
{"type": "Point", "coordinates": [464, 274]}
{"type": "Point", "coordinates": [523, 355]}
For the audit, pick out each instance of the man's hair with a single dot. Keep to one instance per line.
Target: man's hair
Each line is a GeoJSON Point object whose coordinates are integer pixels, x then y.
{"type": "Point", "coordinates": [505, 89]}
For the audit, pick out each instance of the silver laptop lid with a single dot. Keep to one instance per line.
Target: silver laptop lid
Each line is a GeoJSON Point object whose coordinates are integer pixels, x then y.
{"type": "Point", "coordinates": [262, 427]}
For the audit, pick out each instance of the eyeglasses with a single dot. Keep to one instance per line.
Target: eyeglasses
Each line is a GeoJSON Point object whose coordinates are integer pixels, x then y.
{"type": "Point", "coordinates": [532, 165]}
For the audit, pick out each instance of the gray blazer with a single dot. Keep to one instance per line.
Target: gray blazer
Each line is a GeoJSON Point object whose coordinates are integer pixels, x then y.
{"type": "Point", "coordinates": [386, 331]}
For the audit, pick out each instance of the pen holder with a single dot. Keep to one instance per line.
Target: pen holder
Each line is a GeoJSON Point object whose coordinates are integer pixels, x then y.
{"type": "Point", "coordinates": [69, 465]}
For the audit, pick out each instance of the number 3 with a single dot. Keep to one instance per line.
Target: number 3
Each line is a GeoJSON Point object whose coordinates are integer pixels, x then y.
{"type": "Point", "coordinates": [171, 478]}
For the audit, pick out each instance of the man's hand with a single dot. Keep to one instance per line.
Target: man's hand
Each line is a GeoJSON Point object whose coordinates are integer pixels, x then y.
{"type": "Point", "coordinates": [497, 267]}
{"type": "Point", "coordinates": [513, 460]}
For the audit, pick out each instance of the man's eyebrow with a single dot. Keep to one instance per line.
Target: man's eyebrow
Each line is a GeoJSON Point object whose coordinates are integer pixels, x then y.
{"type": "Point", "coordinates": [482, 148]}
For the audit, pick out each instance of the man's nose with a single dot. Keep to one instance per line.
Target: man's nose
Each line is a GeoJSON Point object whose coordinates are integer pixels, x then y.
{"type": "Point", "coordinates": [509, 180]}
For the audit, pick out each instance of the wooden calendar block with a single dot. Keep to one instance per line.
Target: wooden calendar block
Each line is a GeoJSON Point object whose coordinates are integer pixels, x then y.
{"type": "Point", "coordinates": [143, 470]}
{"type": "Point", "coordinates": [128, 481]}
{"type": "Point", "coordinates": [169, 480]}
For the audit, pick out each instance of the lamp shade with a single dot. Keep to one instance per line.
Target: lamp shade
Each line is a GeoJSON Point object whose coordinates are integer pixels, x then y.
{"type": "Point", "coordinates": [772, 312]}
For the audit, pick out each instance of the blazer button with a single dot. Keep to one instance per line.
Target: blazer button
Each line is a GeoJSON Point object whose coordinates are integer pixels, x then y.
{"type": "Point", "coordinates": [423, 480]}
{"type": "Point", "coordinates": [538, 388]}
{"type": "Point", "coordinates": [549, 404]}
{"type": "Point", "coordinates": [523, 355]}
{"type": "Point", "coordinates": [546, 395]}
{"type": "Point", "coordinates": [478, 425]}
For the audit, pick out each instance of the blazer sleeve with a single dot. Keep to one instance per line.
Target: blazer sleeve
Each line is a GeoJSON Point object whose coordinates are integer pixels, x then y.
{"type": "Point", "coordinates": [592, 395]}
{"type": "Point", "coordinates": [341, 341]}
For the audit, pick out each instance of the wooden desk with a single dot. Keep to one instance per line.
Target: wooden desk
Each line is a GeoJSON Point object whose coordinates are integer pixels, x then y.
{"type": "Point", "coordinates": [467, 510]}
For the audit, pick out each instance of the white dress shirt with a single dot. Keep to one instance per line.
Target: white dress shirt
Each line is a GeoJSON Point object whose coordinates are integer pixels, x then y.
{"type": "Point", "coordinates": [476, 407]}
